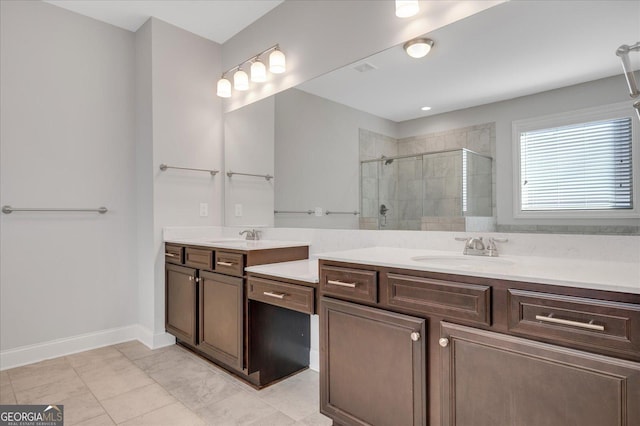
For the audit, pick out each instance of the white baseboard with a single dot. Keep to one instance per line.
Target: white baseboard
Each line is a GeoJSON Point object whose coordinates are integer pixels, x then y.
{"type": "Point", "coordinates": [29, 354]}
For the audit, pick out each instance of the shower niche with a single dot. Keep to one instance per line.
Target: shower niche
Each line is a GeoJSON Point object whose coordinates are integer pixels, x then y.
{"type": "Point", "coordinates": [448, 190]}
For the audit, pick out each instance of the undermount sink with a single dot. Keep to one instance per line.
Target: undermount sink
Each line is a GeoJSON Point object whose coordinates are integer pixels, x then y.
{"type": "Point", "coordinates": [462, 260]}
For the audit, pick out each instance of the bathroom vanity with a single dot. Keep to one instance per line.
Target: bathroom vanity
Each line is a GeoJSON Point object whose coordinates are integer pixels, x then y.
{"type": "Point", "coordinates": [414, 337]}
{"type": "Point", "coordinates": [208, 309]}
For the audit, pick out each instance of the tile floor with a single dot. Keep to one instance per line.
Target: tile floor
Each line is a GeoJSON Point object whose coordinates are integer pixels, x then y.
{"type": "Point", "coordinates": [129, 384]}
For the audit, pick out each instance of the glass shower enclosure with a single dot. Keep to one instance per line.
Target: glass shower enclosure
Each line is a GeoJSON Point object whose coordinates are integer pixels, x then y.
{"type": "Point", "coordinates": [429, 191]}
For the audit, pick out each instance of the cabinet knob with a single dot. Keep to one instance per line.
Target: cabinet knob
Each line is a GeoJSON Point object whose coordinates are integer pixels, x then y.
{"type": "Point", "coordinates": [444, 342]}
{"type": "Point", "coordinates": [415, 336]}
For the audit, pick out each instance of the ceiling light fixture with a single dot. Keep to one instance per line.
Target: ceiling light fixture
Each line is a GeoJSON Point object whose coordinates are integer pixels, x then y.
{"type": "Point", "coordinates": [418, 47]}
{"type": "Point", "coordinates": [407, 8]}
{"type": "Point", "coordinates": [426, 108]}
{"type": "Point", "coordinates": [277, 65]}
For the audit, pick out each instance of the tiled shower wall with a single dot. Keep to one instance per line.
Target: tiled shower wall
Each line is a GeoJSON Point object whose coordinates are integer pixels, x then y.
{"type": "Point", "coordinates": [403, 182]}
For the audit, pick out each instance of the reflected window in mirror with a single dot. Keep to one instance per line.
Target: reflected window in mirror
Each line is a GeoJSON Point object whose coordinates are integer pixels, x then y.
{"type": "Point", "coordinates": [577, 164]}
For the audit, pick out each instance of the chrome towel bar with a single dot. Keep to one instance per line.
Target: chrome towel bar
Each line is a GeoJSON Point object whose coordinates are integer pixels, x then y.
{"type": "Point", "coordinates": [9, 209]}
{"type": "Point", "coordinates": [267, 177]}
{"type": "Point", "coordinates": [355, 213]}
{"type": "Point", "coordinates": [164, 167]}
{"type": "Point", "coordinates": [294, 211]}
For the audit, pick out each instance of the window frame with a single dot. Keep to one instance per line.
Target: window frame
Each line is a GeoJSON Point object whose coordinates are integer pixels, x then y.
{"type": "Point", "coordinates": [600, 113]}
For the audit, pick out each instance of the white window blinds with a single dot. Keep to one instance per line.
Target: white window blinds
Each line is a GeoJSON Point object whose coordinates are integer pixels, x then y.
{"type": "Point", "coordinates": [585, 166]}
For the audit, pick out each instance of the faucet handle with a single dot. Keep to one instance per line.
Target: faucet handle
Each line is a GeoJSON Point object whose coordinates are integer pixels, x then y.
{"type": "Point", "coordinates": [492, 249]}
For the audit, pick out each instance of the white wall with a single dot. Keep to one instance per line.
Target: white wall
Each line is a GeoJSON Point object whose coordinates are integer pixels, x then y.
{"type": "Point", "coordinates": [67, 140]}
{"type": "Point", "coordinates": [320, 36]}
{"type": "Point", "coordinates": [249, 148]}
{"type": "Point", "coordinates": [187, 132]}
{"type": "Point", "coordinates": [596, 93]}
{"type": "Point", "coordinates": [317, 158]}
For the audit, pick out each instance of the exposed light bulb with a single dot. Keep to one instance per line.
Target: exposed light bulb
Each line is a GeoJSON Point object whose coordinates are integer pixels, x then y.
{"type": "Point", "coordinates": [240, 80]}
{"type": "Point", "coordinates": [407, 8]}
{"type": "Point", "coordinates": [277, 62]}
{"type": "Point", "coordinates": [419, 47]}
{"type": "Point", "coordinates": [224, 88]}
{"type": "Point", "coordinates": [258, 71]}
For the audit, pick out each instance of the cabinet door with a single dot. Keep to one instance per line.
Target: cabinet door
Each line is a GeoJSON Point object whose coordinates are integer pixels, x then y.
{"type": "Point", "coordinates": [221, 318]}
{"type": "Point", "coordinates": [493, 379]}
{"type": "Point", "coordinates": [181, 302]}
{"type": "Point", "coordinates": [372, 366]}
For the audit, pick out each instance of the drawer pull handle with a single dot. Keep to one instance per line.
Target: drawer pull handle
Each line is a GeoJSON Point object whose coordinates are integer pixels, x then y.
{"type": "Point", "coordinates": [225, 263]}
{"type": "Point", "coordinates": [588, 325]}
{"type": "Point", "coordinates": [170, 255]}
{"type": "Point", "coordinates": [341, 284]}
{"type": "Point", "coordinates": [276, 295]}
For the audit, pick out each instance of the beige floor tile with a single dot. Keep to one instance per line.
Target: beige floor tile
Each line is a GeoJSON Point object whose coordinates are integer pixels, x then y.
{"type": "Point", "coordinates": [170, 415]}
{"type": "Point", "coordinates": [93, 357]}
{"type": "Point", "coordinates": [103, 420]}
{"type": "Point", "coordinates": [276, 419]}
{"type": "Point", "coordinates": [6, 394]}
{"type": "Point", "coordinates": [137, 402]}
{"type": "Point", "coordinates": [205, 390]}
{"type": "Point", "coordinates": [41, 373]}
{"type": "Point", "coordinates": [134, 350]}
{"type": "Point", "coordinates": [52, 393]}
{"type": "Point", "coordinates": [4, 377]}
{"type": "Point", "coordinates": [173, 370]}
{"type": "Point", "coordinates": [315, 419]}
{"type": "Point", "coordinates": [297, 397]}
{"type": "Point", "coordinates": [112, 381]}
{"type": "Point", "coordinates": [80, 408]}
{"type": "Point", "coordinates": [239, 409]}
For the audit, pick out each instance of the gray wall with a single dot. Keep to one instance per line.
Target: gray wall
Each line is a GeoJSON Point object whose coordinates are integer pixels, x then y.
{"type": "Point", "coordinates": [596, 93]}
{"type": "Point", "coordinates": [67, 140]}
{"type": "Point", "coordinates": [317, 158]}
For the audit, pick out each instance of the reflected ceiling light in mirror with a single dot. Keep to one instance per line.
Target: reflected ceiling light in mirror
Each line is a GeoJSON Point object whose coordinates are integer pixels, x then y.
{"type": "Point", "coordinates": [418, 47]}
{"type": "Point", "coordinates": [224, 87]}
{"type": "Point", "coordinates": [407, 8]}
{"type": "Point", "coordinates": [240, 80]}
{"type": "Point", "coordinates": [277, 61]}
{"type": "Point", "coordinates": [277, 65]}
{"type": "Point", "coordinates": [258, 71]}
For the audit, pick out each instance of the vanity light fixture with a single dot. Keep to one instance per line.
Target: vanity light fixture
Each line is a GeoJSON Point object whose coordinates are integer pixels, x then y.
{"type": "Point", "coordinates": [240, 80]}
{"type": "Point", "coordinates": [407, 8]}
{"type": "Point", "coordinates": [258, 71]}
{"type": "Point", "coordinates": [277, 65]}
{"type": "Point", "coordinates": [418, 47]}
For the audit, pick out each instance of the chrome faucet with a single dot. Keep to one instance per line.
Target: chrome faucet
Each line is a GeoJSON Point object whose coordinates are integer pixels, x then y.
{"type": "Point", "coordinates": [475, 246]}
{"type": "Point", "coordinates": [252, 234]}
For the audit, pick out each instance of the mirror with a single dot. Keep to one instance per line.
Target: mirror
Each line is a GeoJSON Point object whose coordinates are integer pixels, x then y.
{"type": "Point", "coordinates": [357, 140]}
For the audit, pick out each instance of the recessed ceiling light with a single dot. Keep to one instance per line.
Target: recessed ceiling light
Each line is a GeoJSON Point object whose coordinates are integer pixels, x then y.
{"type": "Point", "coordinates": [425, 108]}
{"type": "Point", "coordinates": [418, 47]}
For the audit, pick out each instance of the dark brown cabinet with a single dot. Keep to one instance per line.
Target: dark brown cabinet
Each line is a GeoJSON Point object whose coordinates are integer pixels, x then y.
{"type": "Point", "coordinates": [493, 379]}
{"type": "Point", "coordinates": [208, 311]}
{"type": "Point", "coordinates": [376, 365]}
{"type": "Point", "coordinates": [498, 352]}
{"type": "Point", "coordinates": [221, 318]}
{"type": "Point", "coordinates": [180, 307]}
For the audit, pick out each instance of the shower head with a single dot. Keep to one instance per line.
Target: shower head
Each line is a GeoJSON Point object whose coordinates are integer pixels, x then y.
{"type": "Point", "coordinates": [387, 161]}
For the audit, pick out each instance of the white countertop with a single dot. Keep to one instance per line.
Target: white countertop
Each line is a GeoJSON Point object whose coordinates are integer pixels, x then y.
{"type": "Point", "coordinates": [598, 275]}
{"type": "Point", "coordinates": [235, 243]}
{"type": "Point", "coordinates": [300, 270]}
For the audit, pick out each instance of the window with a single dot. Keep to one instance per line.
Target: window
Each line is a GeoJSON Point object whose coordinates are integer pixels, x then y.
{"type": "Point", "coordinates": [576, 165]}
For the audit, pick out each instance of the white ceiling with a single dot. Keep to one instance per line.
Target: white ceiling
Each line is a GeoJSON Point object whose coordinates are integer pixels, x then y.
{"type": "Point", "coordinates": [510, 50]}
{"type": "Point", "coordinates": [216, 20]}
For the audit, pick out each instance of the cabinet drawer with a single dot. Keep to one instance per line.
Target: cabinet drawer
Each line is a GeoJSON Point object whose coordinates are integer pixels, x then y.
{"type": "Point", "coordinates": [609, 327]}
{"type": "Point", "coordinates": [173, 254]}
{"type": "Point", "coordinates": [198, 258]}
{"type": "Point", "coordinates": [451, 299]}
{"type": "Point", "coordinates": [290, 296]}
{"type": "Point", "coordinates": [230, 263]}
{"type": "Point", "coordinates": [351, 284]}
